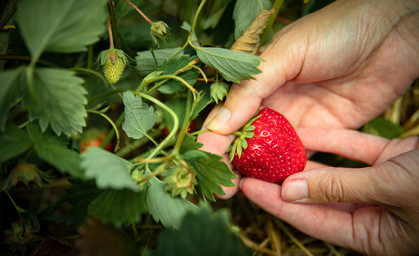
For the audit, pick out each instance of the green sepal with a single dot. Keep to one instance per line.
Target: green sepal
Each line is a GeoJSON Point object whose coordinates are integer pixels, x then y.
{"type": "Point", "coordinates": [240, 143]}
{"type": "Point", "coordinates": [104, 56]}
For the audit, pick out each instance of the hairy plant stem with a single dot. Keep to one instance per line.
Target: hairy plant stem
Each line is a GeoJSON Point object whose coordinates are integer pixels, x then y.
{"type": "Point", "coordinates": [277, 5]}
{"type": "Point", "coordinates": [111, 45]}
{"type": "Point", "coordinates": [185, 125]}
{"type": "Point", "coordinates": [100, 113]}
{"type": "Point", "coordinates": [195, 20]}
{"type": "Point", "coordinates": [171, 113]}
{"type": "Point", "coordinates": [139, 11]}
{"type": "Point", "coordinates": [8, 16]}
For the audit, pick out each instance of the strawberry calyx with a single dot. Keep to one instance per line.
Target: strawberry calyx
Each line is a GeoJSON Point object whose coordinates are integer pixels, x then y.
{"type": "Point", "coordinates": [240, 143]}
{"type": "Point", "coordinates": [112, 55]}
{"type": "Point", "coordinates": [113, 62]}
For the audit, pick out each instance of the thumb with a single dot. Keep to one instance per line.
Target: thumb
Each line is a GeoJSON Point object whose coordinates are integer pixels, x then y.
{"type": "Point", "coordinates": [333, 185]}
{"type": "Point", "coordinates": [280, 63]}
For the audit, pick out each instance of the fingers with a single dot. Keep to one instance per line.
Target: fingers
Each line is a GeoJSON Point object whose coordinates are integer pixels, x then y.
{"type": "Point", "coordinates": [344, 142]}
{"type": "Point", "coordinates": [218, 144]}
{"type": "Point", "coordinates": [316, 220]}
{"type": "Point", "coordinates": [355, 145]}
{"type": "Point", "coordinates": [245, 98]}
{"type": "Point", "coordinates": [387, 184]}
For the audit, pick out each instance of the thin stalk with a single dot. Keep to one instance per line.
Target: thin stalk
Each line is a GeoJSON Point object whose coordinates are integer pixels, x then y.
{"type": "Point", "coordinates": [195, 20]}
{"type": "Point", "coordinates": [277, 5]}
{"type": "Point", "coordinates": [171, 113]}
{"type": "Point", "coordinates": [139, 11]}
{"type": "Point", "coordinates": [136, 144]}
{"type": "Point", "coordinates": [25, 58]}
{"type": "Point", "coordinates": [8, 16]}
{"type": "Point", "coordinates": [112, 132]}
{"type": "Point", "coordinates": [111, 45]}
{"type": "Point", "coordinates": [188, 41]}
{"type": "Point", "coordinates": [185, 125]}
{"type": "Point", "coordinates": [18, 208]}
{"type": "Point", "coordinates": [105, 94]}
{"type": "Point", "coordinates": [113, 126]}
{"type": "Point", "coordinates": [144, 83]}
{"type": "Point", "coordinates": [90, 71]}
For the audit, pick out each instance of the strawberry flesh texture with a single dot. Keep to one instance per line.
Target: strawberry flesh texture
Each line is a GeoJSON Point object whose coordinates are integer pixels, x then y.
{"type": "Point", "coordinates": [275, 152]}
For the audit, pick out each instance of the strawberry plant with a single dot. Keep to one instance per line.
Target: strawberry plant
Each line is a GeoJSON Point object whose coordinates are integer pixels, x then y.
{"type": "Point", "coordinates": [86, 89]}
{"type": "Point", "coordinates": [74, 67]}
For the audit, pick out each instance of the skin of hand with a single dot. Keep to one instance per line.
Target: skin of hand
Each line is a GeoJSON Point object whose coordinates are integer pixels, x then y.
{"type": "Point", "coordinates": [328, 73]}
{"type": "Point", "coordinates": [336, 68]}
{"type": "Point", "coordinates": [372, 210]}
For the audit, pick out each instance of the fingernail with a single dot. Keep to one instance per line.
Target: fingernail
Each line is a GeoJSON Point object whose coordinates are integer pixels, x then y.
{"type": "Point", "coordinates": [241, 183]}
{"type": "Point", "coordinates": [220, 119]}
{"type": "Point", "coordinates": [295, 191]}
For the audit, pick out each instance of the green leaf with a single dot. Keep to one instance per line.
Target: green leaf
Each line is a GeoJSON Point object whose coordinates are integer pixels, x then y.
{"type": "Point", "coordinates": [38, 137]}
{"type": "Point", "coordinates": [202, 233]}
{"type": "Point", "coordinates": [146, 62]}
{"type": "Point", "coordinates": [163, 207]}
{"type": "Point", "coordinates": [209, 169]}
{"type": "Point", "coordinates": [63, 26]}
{"type": "Point", "coordinates": [203, 100]}
{"type": "Point", "coordinates": [245, 11]}
{"type": "Point", "coordinates": [171, 67]}
{"type": "Point", "coordinates": [13, 142]}
{"type": "Point", "coordinates": [8, 93]}
{"type": "Point", "coordinates": [119, 207]}
{"type": "Point", "coordinates": [139, 117]}
{"type": "Point", "coordinates": [54, 151]}
{"type": "Point", "coordinates": [108, 170]}
{"type": "Point", "coordinates": [189, 143]}
{"type": "Point", "coordinates": [64, 159]}
{"type": "Point", "coordinates": [59, 101]}
{"type": "Point", "coordinates": [233, 66]}
{"type": "Point", "coordinates": [383, 127]}
{"type": "Point", "coordinates": [80, 195]}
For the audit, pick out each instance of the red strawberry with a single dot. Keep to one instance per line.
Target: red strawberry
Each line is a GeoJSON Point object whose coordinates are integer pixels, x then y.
{"type": "Point", "coordinates": [94, 138]}
{"type": "Point", "coordinates": [268, 148]}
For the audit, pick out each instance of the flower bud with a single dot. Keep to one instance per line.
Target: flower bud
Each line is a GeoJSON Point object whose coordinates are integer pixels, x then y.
{"type": "Point", "coordinates": [159, 30]}
{"type": "Point", "coordinates": [219, 91]}
{"type": "Point", "coordinates": [26, 175]}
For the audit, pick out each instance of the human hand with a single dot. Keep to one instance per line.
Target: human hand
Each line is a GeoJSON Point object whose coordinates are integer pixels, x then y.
{"type": "Point", "coordinates": [373, 210]}
{"type": "Point", "coordinates": [336, 68]}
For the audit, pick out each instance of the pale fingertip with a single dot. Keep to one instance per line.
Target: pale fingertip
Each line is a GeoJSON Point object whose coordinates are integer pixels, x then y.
{"type": "Point", "coordinates": [295, 191]}
{"type": "Point", "coordinates": [220, 119]}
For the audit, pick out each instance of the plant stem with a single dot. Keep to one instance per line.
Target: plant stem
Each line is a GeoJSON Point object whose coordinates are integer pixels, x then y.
{"type": "Point", "coordinates": [18, 209]}
{"type": "Point", "coordinates": [277, 5]}
{"type": "Point", "coordinates": [185, 124]}
{"type": "Point", "coordinates": [113, 125]}
{"type": "Point", "coordinates": [172, 114]}
{"type": "Point", "coordinates": [90, 71]}
{"type": "Point", "coordinates": [25, 58]}
{"type": "Point", "coordinates": [139, 11]}
{"type": "Point", "coordinates": [8, 16]}
{"type": "Point", "coordinates": [195, 20]}
{"type": "Point", "coordinates": [112, 132]}
{"type": "Point", "coordinates": [105, 94]}
{"type": "Point", "coordinates": [111, 45]}
{"type": "Point", "coordinates": [136, 144]}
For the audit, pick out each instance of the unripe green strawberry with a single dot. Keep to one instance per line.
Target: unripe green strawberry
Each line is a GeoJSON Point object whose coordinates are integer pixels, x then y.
{"type": "Point", "coordinates": [268, 148]}
{"type": "Point", "coordinates": [180, 180]}
{"type": "Point", "coordinates": [113, 62]}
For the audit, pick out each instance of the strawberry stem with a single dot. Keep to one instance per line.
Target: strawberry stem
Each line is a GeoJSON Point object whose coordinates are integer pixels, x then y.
{"type": "Point", "coordinates": [111, 45]}
{"type": "Point", "coordinates": [139, 11]}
